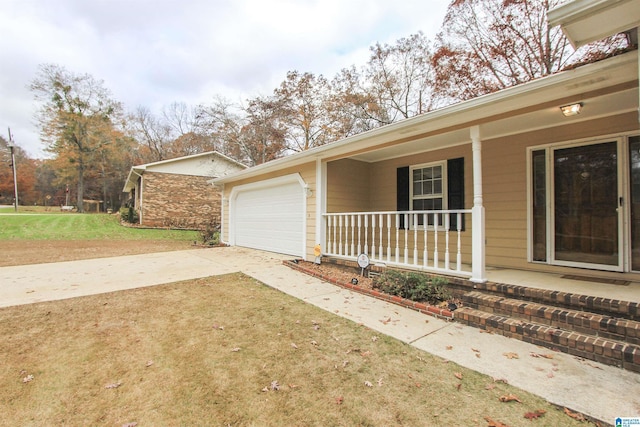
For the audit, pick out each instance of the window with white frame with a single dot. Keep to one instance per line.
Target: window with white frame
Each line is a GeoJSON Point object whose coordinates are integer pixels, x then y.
{"type": "Point", "coordinates": [428, 190]}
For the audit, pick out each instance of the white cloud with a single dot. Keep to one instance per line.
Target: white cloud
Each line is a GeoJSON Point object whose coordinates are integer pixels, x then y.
{"type": "Point", "coordinates": [153, 53]}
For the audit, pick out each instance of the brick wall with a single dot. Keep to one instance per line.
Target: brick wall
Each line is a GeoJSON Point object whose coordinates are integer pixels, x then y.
{"type": "Point", "coordinates": [179, 201]}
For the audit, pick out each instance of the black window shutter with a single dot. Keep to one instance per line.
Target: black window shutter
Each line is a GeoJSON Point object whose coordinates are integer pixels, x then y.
{"type": "Point", "coordinates": [455, 190]}
{"type": "Point", "coordinates": [402, 192]}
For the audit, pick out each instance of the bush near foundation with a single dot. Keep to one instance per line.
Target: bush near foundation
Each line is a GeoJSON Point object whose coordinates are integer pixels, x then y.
{"type": "Point", "coordinates": [413, 286]}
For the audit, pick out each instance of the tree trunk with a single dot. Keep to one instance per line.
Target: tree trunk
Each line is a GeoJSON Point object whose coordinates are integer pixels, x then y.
{"type": "Point", "coordinates": [80, 183]}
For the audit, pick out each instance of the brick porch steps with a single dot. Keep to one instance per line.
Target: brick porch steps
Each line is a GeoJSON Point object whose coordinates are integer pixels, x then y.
{"type": "Point", "coordinates": [584, 322]}
{"type": "Point", "coordinates": [598, 305]}
{"type": "Point", "coordinates": [603, 350]}
{"type": "Point", "coordinates": [592, 336]}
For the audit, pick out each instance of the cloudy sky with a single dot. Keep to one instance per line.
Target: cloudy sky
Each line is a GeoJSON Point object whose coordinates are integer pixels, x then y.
{"type": "Point", "coordinates": [155, 52]}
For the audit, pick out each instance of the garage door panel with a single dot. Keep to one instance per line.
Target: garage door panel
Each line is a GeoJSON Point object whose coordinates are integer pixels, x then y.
{"type": "Point", "coordinates": [271, 218]}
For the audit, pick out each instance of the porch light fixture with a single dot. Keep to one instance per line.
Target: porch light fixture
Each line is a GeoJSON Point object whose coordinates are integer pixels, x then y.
{"type": "Point", "coordinates": [571, 109]}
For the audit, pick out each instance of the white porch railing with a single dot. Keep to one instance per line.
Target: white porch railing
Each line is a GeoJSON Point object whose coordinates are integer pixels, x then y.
{"type": "Point", "coordinates": [423, 240]}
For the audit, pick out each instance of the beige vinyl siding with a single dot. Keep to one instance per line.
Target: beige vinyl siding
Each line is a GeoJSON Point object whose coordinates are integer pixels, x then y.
{"type": "Point", "coordinates": [504, 164]}
{"type": "Point", "coordinates": [349, 186]}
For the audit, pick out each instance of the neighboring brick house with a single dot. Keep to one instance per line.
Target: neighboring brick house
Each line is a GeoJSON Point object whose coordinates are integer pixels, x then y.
{"type": "Point", "coordinates": [177, 193]}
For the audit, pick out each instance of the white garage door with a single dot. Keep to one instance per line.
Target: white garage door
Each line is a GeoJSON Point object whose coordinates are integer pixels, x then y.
{"type": "Point", "coordinates": [270, 217]}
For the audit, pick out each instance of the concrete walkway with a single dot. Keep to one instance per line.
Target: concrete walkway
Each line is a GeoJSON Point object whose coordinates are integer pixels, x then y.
{"type": "Point", "coordinates": [599, 391]}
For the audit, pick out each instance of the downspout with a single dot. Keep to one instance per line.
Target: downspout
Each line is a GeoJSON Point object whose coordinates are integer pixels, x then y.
{"type": "Point", "coordinates": [321, 203]}
{"type": "Point", "coordinates": [223, 202]}
{"type": "Point", "coordinates": [478, 268]}
{"type": "Point", "coordinates": [140, 196]}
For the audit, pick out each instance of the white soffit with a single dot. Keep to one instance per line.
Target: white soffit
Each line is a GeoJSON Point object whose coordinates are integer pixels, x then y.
{"type": "Point", "coordinates": [585, 21]}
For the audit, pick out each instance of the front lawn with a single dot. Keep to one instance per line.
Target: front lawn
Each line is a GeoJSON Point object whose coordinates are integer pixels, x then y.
{"type": "Point", "coordinates": [228, 350]}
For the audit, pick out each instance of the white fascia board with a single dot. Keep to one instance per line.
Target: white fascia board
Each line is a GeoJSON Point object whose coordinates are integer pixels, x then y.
{"type": "Point", "coordinates": [585, 21]}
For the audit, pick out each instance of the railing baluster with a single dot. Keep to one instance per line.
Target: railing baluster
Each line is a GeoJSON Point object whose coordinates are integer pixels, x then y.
{"type": "Point", "coordinates": [353, 235]}
{"type": "Point", "coordinates": [373, 236]}
{"type": "Point", "coordinates": [397, 237]}
{"type": "Point", "coordinates": [341, 241]}
{"type": "Point", "coordinates": [359, 235]}
{"type": "Point", "coordinates": [381, 230]}
{"type": "Point", "coordinates": [327, 245]}
{"type": "Point", "coordinates": [415, 239]}
{"type": "Point", "coordinates": [406, 238]}
{"type": "Point", "coordinates": [459, 254]}
{"type": "Point", "coordinates": [435, 240]}
{"type": "Point", "coordinates": [446, 241]}
{"type": "Point", "coordinates": [389, 237]}
{"type": "Point", "coordinates": [426, 234]}
{"type": "Point", "coordinates": [335, 226]}
{"type": "Point", "coordinates": [366, 234]}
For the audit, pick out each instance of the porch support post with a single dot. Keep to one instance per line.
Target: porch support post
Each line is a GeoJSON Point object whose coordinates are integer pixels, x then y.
{"type": "Point", "coordinates": [321, 204]}
{"type": "Point", "coordinates": [478, 270]}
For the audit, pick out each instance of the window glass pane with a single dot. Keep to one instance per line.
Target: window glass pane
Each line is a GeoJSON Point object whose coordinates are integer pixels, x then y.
{"type": "Point", "coordinates": [417, 188]}
{"type": "Point", "coordinates": [417, 174]}
{"type": "Point", "coordinates": [437, 187]}
{"type": "Point", "coordinates": [427, 188]}
{"type": "Point", "coordinates": [437, 172]}
{"type": "Point", "coordinates": [539, 232]}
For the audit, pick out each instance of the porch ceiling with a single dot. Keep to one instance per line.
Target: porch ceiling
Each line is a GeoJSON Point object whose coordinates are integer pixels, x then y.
{"type": "Point", "coordinates": [547, 116]}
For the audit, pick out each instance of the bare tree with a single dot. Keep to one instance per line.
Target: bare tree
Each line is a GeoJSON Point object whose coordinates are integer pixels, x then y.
{"type": "Point", "coordinates": [488, 45]}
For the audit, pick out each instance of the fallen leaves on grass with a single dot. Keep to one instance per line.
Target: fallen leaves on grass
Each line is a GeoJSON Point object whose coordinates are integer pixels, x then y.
{"type": "Point", "coordinates": [494, 423]}
{"type": "Point", "coordinates": [218, 327]}
{"type": "Point", "coordinates": [293, 345]}
{"type": "Point", "coordinates": [576, 416]}
{"type": "Point", "coordinates": [28, 379]}
{"type": "Point", "coordinates": [511, 355]}
{"type": "Point", "coordinates": [368, 384]}
{"type": "Point", "coordinates": [274, 386]}
{"type": "Point", "coordinates": [339, 400]}
{"type": "Point", "coordinates": [509, 398]}
{"type": "Point", "coordinates": [149, 363]}
{"type": "Point", "coordinates": [113, 385]}
{"type": "Point", "coordinates": [235, 349]}
{"type": "Point", "coordinates": [535, 414]}
{"type": "Point", "coordinates": [458, 375]}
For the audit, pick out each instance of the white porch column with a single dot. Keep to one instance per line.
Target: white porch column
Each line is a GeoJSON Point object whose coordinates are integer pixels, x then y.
{"type": "Point", "coordinates": [478, 271]}
{"type": "Point", "coordinates": [321, 203]}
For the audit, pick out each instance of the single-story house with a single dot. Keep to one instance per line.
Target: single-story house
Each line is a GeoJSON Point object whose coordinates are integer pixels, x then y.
{"type": "Point", "coordinates": [176, 192]}
{"type": "Point", "coordinates": [543, 176]}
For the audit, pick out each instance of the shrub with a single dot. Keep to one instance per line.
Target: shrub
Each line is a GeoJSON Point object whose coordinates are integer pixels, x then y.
{"type": "Point", "coordinates": [413, 286]}
{"type": "Point", "coordinates": [210, 233]}
{"type": "Point", "coordinates": [129, 215]}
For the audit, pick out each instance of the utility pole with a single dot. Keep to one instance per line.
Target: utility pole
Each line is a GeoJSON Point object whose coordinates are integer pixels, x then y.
{"type": "Point", "coordinates": [13, 167]}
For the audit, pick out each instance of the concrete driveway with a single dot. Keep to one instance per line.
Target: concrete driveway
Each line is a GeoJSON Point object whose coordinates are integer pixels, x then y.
{"type": "Point", "coordinates": [600, 391]}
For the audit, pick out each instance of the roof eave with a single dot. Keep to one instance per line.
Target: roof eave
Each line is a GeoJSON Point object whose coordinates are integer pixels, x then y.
{"type": "Point", "coordinates": [609, 73]}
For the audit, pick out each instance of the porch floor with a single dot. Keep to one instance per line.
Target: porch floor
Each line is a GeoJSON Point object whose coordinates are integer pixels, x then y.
{"type": "Point", "coordinates": [556, 282]}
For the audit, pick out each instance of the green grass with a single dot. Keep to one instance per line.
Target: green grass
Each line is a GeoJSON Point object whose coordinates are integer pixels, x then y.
{"type": "Point", "coordinates": [74, 226]}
